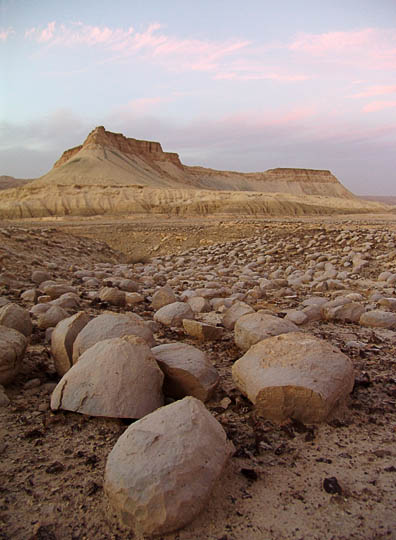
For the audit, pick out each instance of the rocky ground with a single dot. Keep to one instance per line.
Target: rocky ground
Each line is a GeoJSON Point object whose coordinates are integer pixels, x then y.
{"type": "Point", "coordinates": [335, 480]}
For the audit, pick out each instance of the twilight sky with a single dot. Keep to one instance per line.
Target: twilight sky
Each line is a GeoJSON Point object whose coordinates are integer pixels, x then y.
{"type": "Point", "coordinates": [228, 84]}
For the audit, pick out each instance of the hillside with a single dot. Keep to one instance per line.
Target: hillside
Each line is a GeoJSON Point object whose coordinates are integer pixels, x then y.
{"type": "Point", "coordinates": [9, 182]}
{"type": "Point", "coordinates": [112, 174]}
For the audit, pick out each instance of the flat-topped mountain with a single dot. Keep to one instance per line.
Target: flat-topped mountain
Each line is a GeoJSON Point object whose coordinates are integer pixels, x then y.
{"type": "Point", "coordinates": [116, 175]}
{"type": "Point", "coordinates": [107, 158]}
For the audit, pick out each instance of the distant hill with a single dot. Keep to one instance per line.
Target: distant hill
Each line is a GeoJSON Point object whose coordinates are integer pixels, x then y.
{"type": "Point", "coordinates": [112, 174]}
{"type": "Point", "coordinates": [9, 182]}
{"type": "Point", "coordinates": [384, 199]}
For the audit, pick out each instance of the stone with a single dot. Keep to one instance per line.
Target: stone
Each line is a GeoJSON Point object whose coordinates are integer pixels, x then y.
{"type": "Point", "coordinates": [202, 331]}
{"type": "Point", "coordinates": [389, 303]}
{"type": "Point", "coordinates": [378, 319]}
{"type": "Point", "coordinates": [173, 314]}
{"type": "Point", "coordinates": [162, 297]}
{"type": "Point", "coordinates": [350, 312]}
{"type": "Point", "coordinates": [110, 325]}
{"type": "Point", "coordinates": [63, 338]}
{"type": "Point", "coordinates": [254, 327]}
{"type": "Point", "coordinates": [30, 295]}
{"type": "Point", "coordinates": [133, 298]}
{"type": "Point", "coordinates": [294, 375]}
{"type": "Point", "coordinates": [117, 378]}
{"type": "Point", "coordinates": [67, 301]}
{"type": "Point", "coordinates": [51, 317]}
{"type": "Point", "coordinates": [161, 471]}
{"type": "Point", "coordinates": [16, 317]}
{"type": "Point", "coordinates": [296, 317]}
{"type": "Point", "coordinates": [39, 276]}
{"type": "Point", "coordinates": [235, 312]}
{"type": "Point", "coordinates": [199, 304]}
{"type": "Point", "coordinates": [128, 285]}
{"type": "Point", "coordinates": [112, 296]}
{"type": "Point", "coordinates": [4, 399]}
{"type": "Point", "coordinates": [54, 290]}
{"type": "Point", "coordinates": [12, 349]}
{"type": "Point", "coordinates": [187, 371]}
{"type": "Point", "coordinates": [38, 309]}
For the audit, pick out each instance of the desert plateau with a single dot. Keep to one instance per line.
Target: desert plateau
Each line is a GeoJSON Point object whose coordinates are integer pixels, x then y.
{"type": "Point", "coordinates": [188, 353]}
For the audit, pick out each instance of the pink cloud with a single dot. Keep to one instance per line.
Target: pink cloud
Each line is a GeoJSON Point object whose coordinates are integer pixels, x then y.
{"type": "Point", "coordinates": [375, 106]}
{"type": "Point", "coordinates": [370, 47]}
{"type": "Point", "coordinates": [378, 90]}
{"type": "Point", "coordinates": [5, 34]}
{"type": "Point", "coordinates": [145, 104]}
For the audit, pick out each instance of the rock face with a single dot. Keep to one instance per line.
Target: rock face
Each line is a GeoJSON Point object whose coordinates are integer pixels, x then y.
{"type": "Point", "coordinates": [294, 375]}
{"type": "Point", "coordinates": [63, 338]}
{"type": "Point", "coordinates": [253, 327]}
{"type": "Point", "coordinates": [12, 349]}
{"type": "Point", "coordinates": [117, 377]}
{"type": "Point", "coordinates": [107, 172]}
{"type": "Point", "coordinates": [187, 371]}
{"type": "Point", "coordinates": [15, 317]}
{"type": "Point", "coordinates": [110, 325]}
{"type": "Point", "coordinates": [161, 471]}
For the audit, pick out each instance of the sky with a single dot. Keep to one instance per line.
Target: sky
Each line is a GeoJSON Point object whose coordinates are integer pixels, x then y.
{"type": "Point", "coordinates": [238, 85]}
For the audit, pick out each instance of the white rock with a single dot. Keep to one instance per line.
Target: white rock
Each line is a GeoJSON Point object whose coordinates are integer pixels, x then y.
{"type": "Point", "coordinates": [161, 471]}
{"type": "Point", "coordinates": [294, 375]}
{"type": "Point", "coordinates": [112, 296]}
{"type": "Point", "coordinates": [379, 319]}
{"type": "Point", "coordinates": [173, 314]}
{"type": "Point", "coordinates": [62, 340]}
{"type": "Point", "coordinates": [16, 317]}
{"type": "Point", "coordinates": [254, 327]}
{"type": "Point", "coordinates": [51, 317]}
{"type": "Point", "coordinates": [12, 349]}
{"type": "Point", "coordinates": [117, 377]}
{"type": "Point", "coordinates": [162, 297]}
{"type": "Point", "coordinates": [111, 325]}
{"type": "Point", "coordinates": [235, 312]}
{"type": "Point", "coordinates": [350, 312]}
{"type": "Point", "coordinates": [187, 370]}
{"type": "Point", "coordinates": [199, 304]}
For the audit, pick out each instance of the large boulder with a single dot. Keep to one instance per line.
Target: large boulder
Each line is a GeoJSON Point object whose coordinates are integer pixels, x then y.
{"type": "Point", "coordinates": [63, 338]}
{"type": "Point", "coordinates": [16, 317]}
{"type": "Point", "coordinates": [187, 370]}
{"type": "Point", "coordinates": [12, 349]}
{"type": "Point", "coordinates": [294, 375]}
{"type": "Point", "coordinates": [110, 325]}
{"type": "Point", "coordinates": [173, 314]}
{"type": "Point", "coordinates": [117, 377]}
{"type": "Point", "coordinates": [253, 327]}
{"type": "Point", "coordinates": [161, 471]}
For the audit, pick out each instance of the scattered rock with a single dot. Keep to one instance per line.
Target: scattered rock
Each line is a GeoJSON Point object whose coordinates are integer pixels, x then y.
{"type": "Point", "coordinates": [173, 314]}
{"type": "Point", "coordinates": [294, 375]}
{"type": "Point", "coordinates": [202, 331]}
{"type": "Point", "coordinates": [12, 349]}
{"type": "Point", "coordinates": [63, 338]}
{"type": "Point", "coordinates": [161, 471]}
{"type": "Point", "coordinates": [187, 371]}
{"type": "Point", "coordinates": [117, 377]}
{"type": "Point", "coordinates": [253, 327]}
{"type": "Point", "coordinates": [16, 317]}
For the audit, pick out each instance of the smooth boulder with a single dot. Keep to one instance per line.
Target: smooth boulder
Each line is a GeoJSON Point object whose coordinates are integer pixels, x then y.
{"type": "Point", "coordinates": [173, 314]}
{"type": "Point", "coordinates": [253, 327]}
{"type": "Point", "coordinates": [63, 338]}
{"type": "Point", "coordinates": [117, 377]}
{"type": "Point", "coordinates": [110, 325]}
{"type": "Point", "coordinates": [16, 317]}
{"type": "Point", "coordinates": [378, 319]}
{"type": "Point", "coordinates": [294, 375]}
{"type": "Point", "coordinates": [161, 471]}
{"type": "Point", "coordinates": [12, 349]}
{"type": "Point", "coordinates": [187, 371]}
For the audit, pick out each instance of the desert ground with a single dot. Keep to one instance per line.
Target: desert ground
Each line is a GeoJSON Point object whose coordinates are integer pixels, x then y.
{"type": "Point", "coordinates": [329, 481]}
